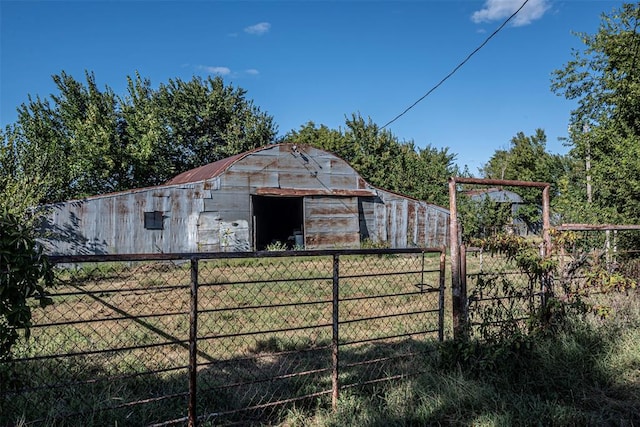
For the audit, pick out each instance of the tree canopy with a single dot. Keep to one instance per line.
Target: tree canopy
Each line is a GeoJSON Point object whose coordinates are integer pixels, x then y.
{"type": "Point", "coordinates": [604, 79]}
{"type": "Point", "coordinates": [381, 159]}
{"type": "Point", "coordinates": [527, 160]}
{"type": "Point", "coordinates": [83, 140]}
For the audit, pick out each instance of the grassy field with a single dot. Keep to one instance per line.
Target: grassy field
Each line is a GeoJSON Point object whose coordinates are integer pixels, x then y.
{"type": "Point", "coordinates": [113, 348]}
{"type": "Point", "coordinates": [265, 334]}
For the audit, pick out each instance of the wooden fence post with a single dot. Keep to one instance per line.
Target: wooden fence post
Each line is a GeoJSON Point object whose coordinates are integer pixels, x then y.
{"type": "Point", "coordinates": [456, 291]}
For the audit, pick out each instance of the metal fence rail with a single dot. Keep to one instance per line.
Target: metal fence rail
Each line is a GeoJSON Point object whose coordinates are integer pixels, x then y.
{"type": "Point", "coordinates": [221, 338]}
{"type": "Point", "coordinates": [500, 296]}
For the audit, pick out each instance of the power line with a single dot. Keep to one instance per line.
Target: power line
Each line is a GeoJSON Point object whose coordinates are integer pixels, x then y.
{"type": "Point", "coordinates": [458, 67]}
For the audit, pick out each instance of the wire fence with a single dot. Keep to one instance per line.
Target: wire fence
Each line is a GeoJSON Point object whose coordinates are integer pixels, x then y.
{"type": "Point", "coordinates": [501, 297]}
{"type": "Point", "coordinates": [221, 339]}
{"type": "Point", "coordinates": [593, 263]}
{"type": "Point", "coordinates": [594, 271]}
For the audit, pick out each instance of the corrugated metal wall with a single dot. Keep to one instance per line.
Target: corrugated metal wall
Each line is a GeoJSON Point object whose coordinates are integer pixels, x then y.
{"type": "Point", "coordinates": [331, 222]}
{"type": "Point", "coordinates": [216, 214]}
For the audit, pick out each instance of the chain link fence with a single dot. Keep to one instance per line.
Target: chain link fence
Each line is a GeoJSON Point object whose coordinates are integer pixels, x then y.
{"type": "Point", "coordinates": [598, 266]}
{"type": "Point", "coordinates": [501, 296]}
{"type": "Point", "coordinates": [220, 339]}
{"type": "Point", "coordinates": [595, 270]}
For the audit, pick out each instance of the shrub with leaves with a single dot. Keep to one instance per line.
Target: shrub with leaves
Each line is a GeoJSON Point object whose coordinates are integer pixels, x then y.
{"type": "Point", "coordinates": [23, 274]}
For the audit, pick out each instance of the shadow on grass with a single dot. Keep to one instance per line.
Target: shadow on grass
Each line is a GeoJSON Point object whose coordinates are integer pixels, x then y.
{"type": "Point", "coordinates": [584, 376]}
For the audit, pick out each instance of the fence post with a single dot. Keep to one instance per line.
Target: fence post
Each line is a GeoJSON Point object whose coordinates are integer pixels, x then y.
{"type": "Point", "coordinates": [456, 301]}
{"type": "Point", "coordinates": [193, 348]}
{"type": "Point", "coordinates": [443, 264]}
{"type": "Point", "coordinates": [334, 339]}
{"type": "Point", "coordinates": [547, 278]}
{"type": "Point", "coordinates": [464, 302]}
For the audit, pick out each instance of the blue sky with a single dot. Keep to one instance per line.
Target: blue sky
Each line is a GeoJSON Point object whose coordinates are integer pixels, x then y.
{"type": "Point", "coordinates": [320, 61]}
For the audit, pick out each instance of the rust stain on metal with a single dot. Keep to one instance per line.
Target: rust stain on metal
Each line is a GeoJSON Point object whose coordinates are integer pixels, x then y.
{"type": "Point", "coordinates": [338, 208]}
{"type": "Point", "coordinates": [265, 191]}
{"type": "Point", "coordinates": [205, 172]}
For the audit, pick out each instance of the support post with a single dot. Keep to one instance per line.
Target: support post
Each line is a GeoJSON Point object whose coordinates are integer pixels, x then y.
{"type": "Point", "coordinates": [464, 305]}
{"type": "Point", "coordinates": [546, 222]}
{"type": "Point", "coordinates": [443, 266]}
{"type": "Point", "coordinates": [458, 320]}
{"type": "Point", "coordinates": [547, 279]}
{"type": "Point", "coordinates": [334, 340]}
{"type": "Point", "coordinates": [193, 348]}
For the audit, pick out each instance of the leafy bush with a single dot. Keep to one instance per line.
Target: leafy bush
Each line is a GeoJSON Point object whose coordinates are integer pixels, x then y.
{"type": "Point", "coordinates": [22, 269]}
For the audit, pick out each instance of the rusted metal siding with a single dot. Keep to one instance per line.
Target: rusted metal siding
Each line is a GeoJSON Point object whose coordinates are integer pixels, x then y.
{"type": "Point", "coordinates": [113, 224]}
{"type": "Point", "coordinates": [281, 166]}
{"type": "Point", "coordinates": [215, 214]}
{"type": "Point", "coordinates": [404, 222]}
{"type": "Point", "coordinates": [331, 222]}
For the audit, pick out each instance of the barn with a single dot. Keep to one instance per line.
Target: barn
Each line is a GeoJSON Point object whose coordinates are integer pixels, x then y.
{"type": "Point", "coordinates": [297, 195]}
{"type": "Point", "coordinates": [500, 195]}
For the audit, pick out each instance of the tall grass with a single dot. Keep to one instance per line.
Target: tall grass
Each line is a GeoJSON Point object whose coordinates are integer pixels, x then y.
{"type": "Point", "coordinates": [588, 373]}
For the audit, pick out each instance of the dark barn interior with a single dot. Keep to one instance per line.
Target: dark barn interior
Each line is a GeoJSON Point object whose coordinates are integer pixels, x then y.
{"type": "Point", "coordinates": [276, 219]}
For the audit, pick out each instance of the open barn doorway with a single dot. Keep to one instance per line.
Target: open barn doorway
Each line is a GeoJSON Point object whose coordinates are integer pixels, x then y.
{"type": "Point", "coordinates": [277, 219]}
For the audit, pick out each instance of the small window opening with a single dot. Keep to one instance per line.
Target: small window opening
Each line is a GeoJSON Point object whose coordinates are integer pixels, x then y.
{"type": "Point", "coordinates": [153, 220]}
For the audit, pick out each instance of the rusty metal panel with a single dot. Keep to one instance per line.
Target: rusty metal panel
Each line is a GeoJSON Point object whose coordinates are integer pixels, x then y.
{"type": "Point", "coordinates": [380, 214]}
{"type": "Point", "coordinates": [300, 192]}
{"type": "Point", "coordinates": [421, 232]}
{"type": "Point", "coordinates": [243, 180]}
{"type": "Point", "coordinates": [234, 236]}
{"type": "Point", "coordinates": [209, 231]}
{"type": "Point", "coordinates": [328, 240]}
{"type": "Point", "coordinates": [411, 224]}
{"type": "Point", "coordinates": [281, 167]}
{"type": "Point", "coordinates": [205, 172]}
{"type": "Point", "coordinates": [331, 207]}
{"type": "Point", "coordinates": [366, 212]}
{"type": "Point", "coordinates": [343, 181]}
{"type": "Point", "coordinates": [397, 222]}
{"type": "Point", "coordinates": [228, 201]}
{"type": "Point", "coordinates": [331, 222]}
{"type": "Point", "coordinates": [114, 224]}
{"type": "Point", "coordinates": [402, 222]}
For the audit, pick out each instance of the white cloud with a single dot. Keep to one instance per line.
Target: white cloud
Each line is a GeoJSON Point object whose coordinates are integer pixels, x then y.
{"type": "Point", "coordinates": [221, 71]}
{"type": "Point", "coordinates": [252, 71]}
{"type": "Point", "coordinates": [258, 29]}
{"type": "Point", "coordinates": [495, 10]}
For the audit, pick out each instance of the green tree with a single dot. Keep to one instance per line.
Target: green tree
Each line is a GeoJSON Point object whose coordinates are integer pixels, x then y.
{"type": "Point", "coordinates": [604, 79]}
{"type": "Point", "coordinates": [74, 137]}
{"type": "Point", "coordinates": [332, 140]}
{"type": "Point", "coordinates": [382, 160]}
{"type": "Point", "coordinates": [84, 140]}
{"type": "Point", "coordinates": [482, 218]}
{"type": "Point", "coordinates": [22, 269]}
{"type": "Point", "coordinates": [527, 160]}
{"type": "Point", "coordinates": [205, 120]}
{"type": "Point", "coordinates": [23, 182]}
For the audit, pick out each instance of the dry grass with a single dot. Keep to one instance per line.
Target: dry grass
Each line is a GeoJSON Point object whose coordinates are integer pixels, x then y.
{"type": "Point", "coordinates": [264, 329]}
